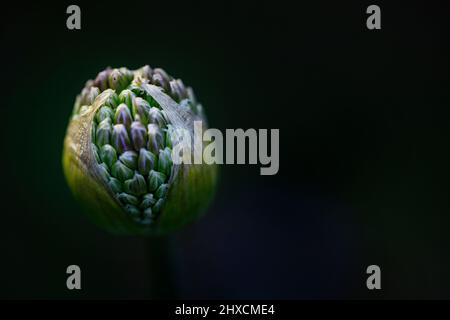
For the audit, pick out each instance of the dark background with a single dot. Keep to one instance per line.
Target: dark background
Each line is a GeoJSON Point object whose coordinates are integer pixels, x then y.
{"type": "Point", "coordinates": [364, 156]}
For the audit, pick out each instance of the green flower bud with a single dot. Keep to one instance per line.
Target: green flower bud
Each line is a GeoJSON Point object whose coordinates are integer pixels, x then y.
{"type": "Point", "coordinates": [129, 158]}
{"type": "Point", "coordinates": [95, 150]}
{"type": "Point", "coordinates": [115, 185]}
{"type": "Point", "coordinates": [119, 80]}
{"type": "Point", "coordinates": [177, 90]}
{"type": "Point", "coordinates": [170, 136]}
{"type": "Point", "coordinates": [103, 134]}
{"type": "Point", "coordinates": [166, 77]}
{"type": "Point", "coordinates": [165, 161]}
{"type": "Point", "coordinates": [146, 161]}
{"type": "Point", "coordinates": [136, 186]}
{"type": "Point", "coordinates": [144, 72]}
{"type": "Point", "coordinates": [121, 171]}
{"type": "Point", "coordinates": [141, 109]}
{"type": "Point", "coordinates": [133, 211]}
{"type": "Point", "coordinates": [117, 152]}
{"type": "Point", "coordinates": [108, 155]}
{"type": "Point", "coordinates": [155, 138]}
{"type": "Point", "coordinates": [103, 170]}
{"type": "Point", "coordinates": [158, 206]}
{"type": "Point", "coordinates": [127, 97]}
{"type": "Point", "coordinates": [101, 81]}
{"type": "Point", "coordinates": [123, 115]}
{"type": "Point", "coordinates": [88, 94]}
{"type": "Point", "coordinates": [161, 78]}
{"type": "Point", "coordinates": [92, 94]}
{"type": "Point", "coordinates": [126, 198]}
{"type": "Point", "coordinates": [174, 90]}
{"type": "Point", "coordinates": [120, 140]}
{"type": "Point", "coordinates": [161, 191]}
{"type": "Point", "coordinates": [138, 135]}
{"type": "Point", "coordinates": [156, 117]}
{"type": "Point", "coordinates": [155, 179]}
{"type": "Point", "coordinates": [148, 217]}
{"type": "Point", "coordinates": [147, 201]}
{"type": "Point", "coordinates": [103, 113]}
{"type": "Point", "coordinates": [111, 100]}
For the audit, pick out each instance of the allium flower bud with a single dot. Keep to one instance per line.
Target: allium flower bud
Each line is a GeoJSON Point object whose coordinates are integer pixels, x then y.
{"type": "Point", "coordinates": [119, 79]}
{"type": "Point", "coordinates": [141, 110]}
{"type": "Point", "coordinates": [120, 140]}
{"type": "Point", "coordinates": [136, 185]}
{"type": "Point", "coordinates": [161, 78]}
{"type": "Point", "coordinates": [115, 185]}
{"type": "Point", "coordinates": [117, 152]}
{"type": "Point", "coordinates": [123, 115]}
{"type": "Point", "coordinates": [148, 216]}
{"type": "Point", "coordinates": [138, 135]}
{"type": "Point", "coordinates": [129, 158]}
{"type": "Point", "coordinates": [165, 161]}
{"type": "Point", "coordinates": [156, 117]}
{"type": "Point", "coordinates": [133, 211]}
{"type": "Point", "coordinates": [121, 171]}
{"type": "Point", "coordinates": [146, 161]}
{"type": "Point", "coordinates": [92, 93]}
{"type": "Point", "coordinates": [108, 155]}
{"type": "Point", "coordinates": [126, 198]}
{"type": "Point", "coordinates": [127, 97]}
{"type": "Point", "coordinates": [155, 138]}
{"type": "Point", "coordinates": [103, 135]}
{"type": "Point", "coordinates": [101, 81]}
{"type": "Point", "coordinates": [103, 170]}
{"type": "Point", "coordinates": [147, 201]}
{"type": "Point", "coordinates": [104, 113]}
{"type": "Point", "coordinates": [161, 191]}
{"type": "Point", "coordinates": [158, 206]}
{"type": "Point", "coordinates": [111, 100]}
{"type": "Point", "coordinates": [155, 179]}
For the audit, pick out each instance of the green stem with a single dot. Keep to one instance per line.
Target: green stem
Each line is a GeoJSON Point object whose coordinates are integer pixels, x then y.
{"type": "Point", "coordinates": [162, 282]}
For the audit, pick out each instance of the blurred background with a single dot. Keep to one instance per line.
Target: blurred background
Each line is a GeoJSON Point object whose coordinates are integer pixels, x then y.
{"type": "Point", "coordinates": [364, 150]}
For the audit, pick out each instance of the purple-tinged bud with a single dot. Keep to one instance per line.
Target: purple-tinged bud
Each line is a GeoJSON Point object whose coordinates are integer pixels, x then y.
{"type": "Point", "coordinates": [138, 135]}
{"type": "Point", "coordinates": [120, 140]}
{"type": "Point", "coordinates": [155, 138]}
{"type": "Point", "coordinates": [156, 117]}
{"type": "Point", "coordinates": [123, 115]}
{"type": "Point", "coordinates": [146, 161]}
{"type": "Point", "coordinates": [141, 109]}
{"type": "Point", "coordinates": [101, 81]}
